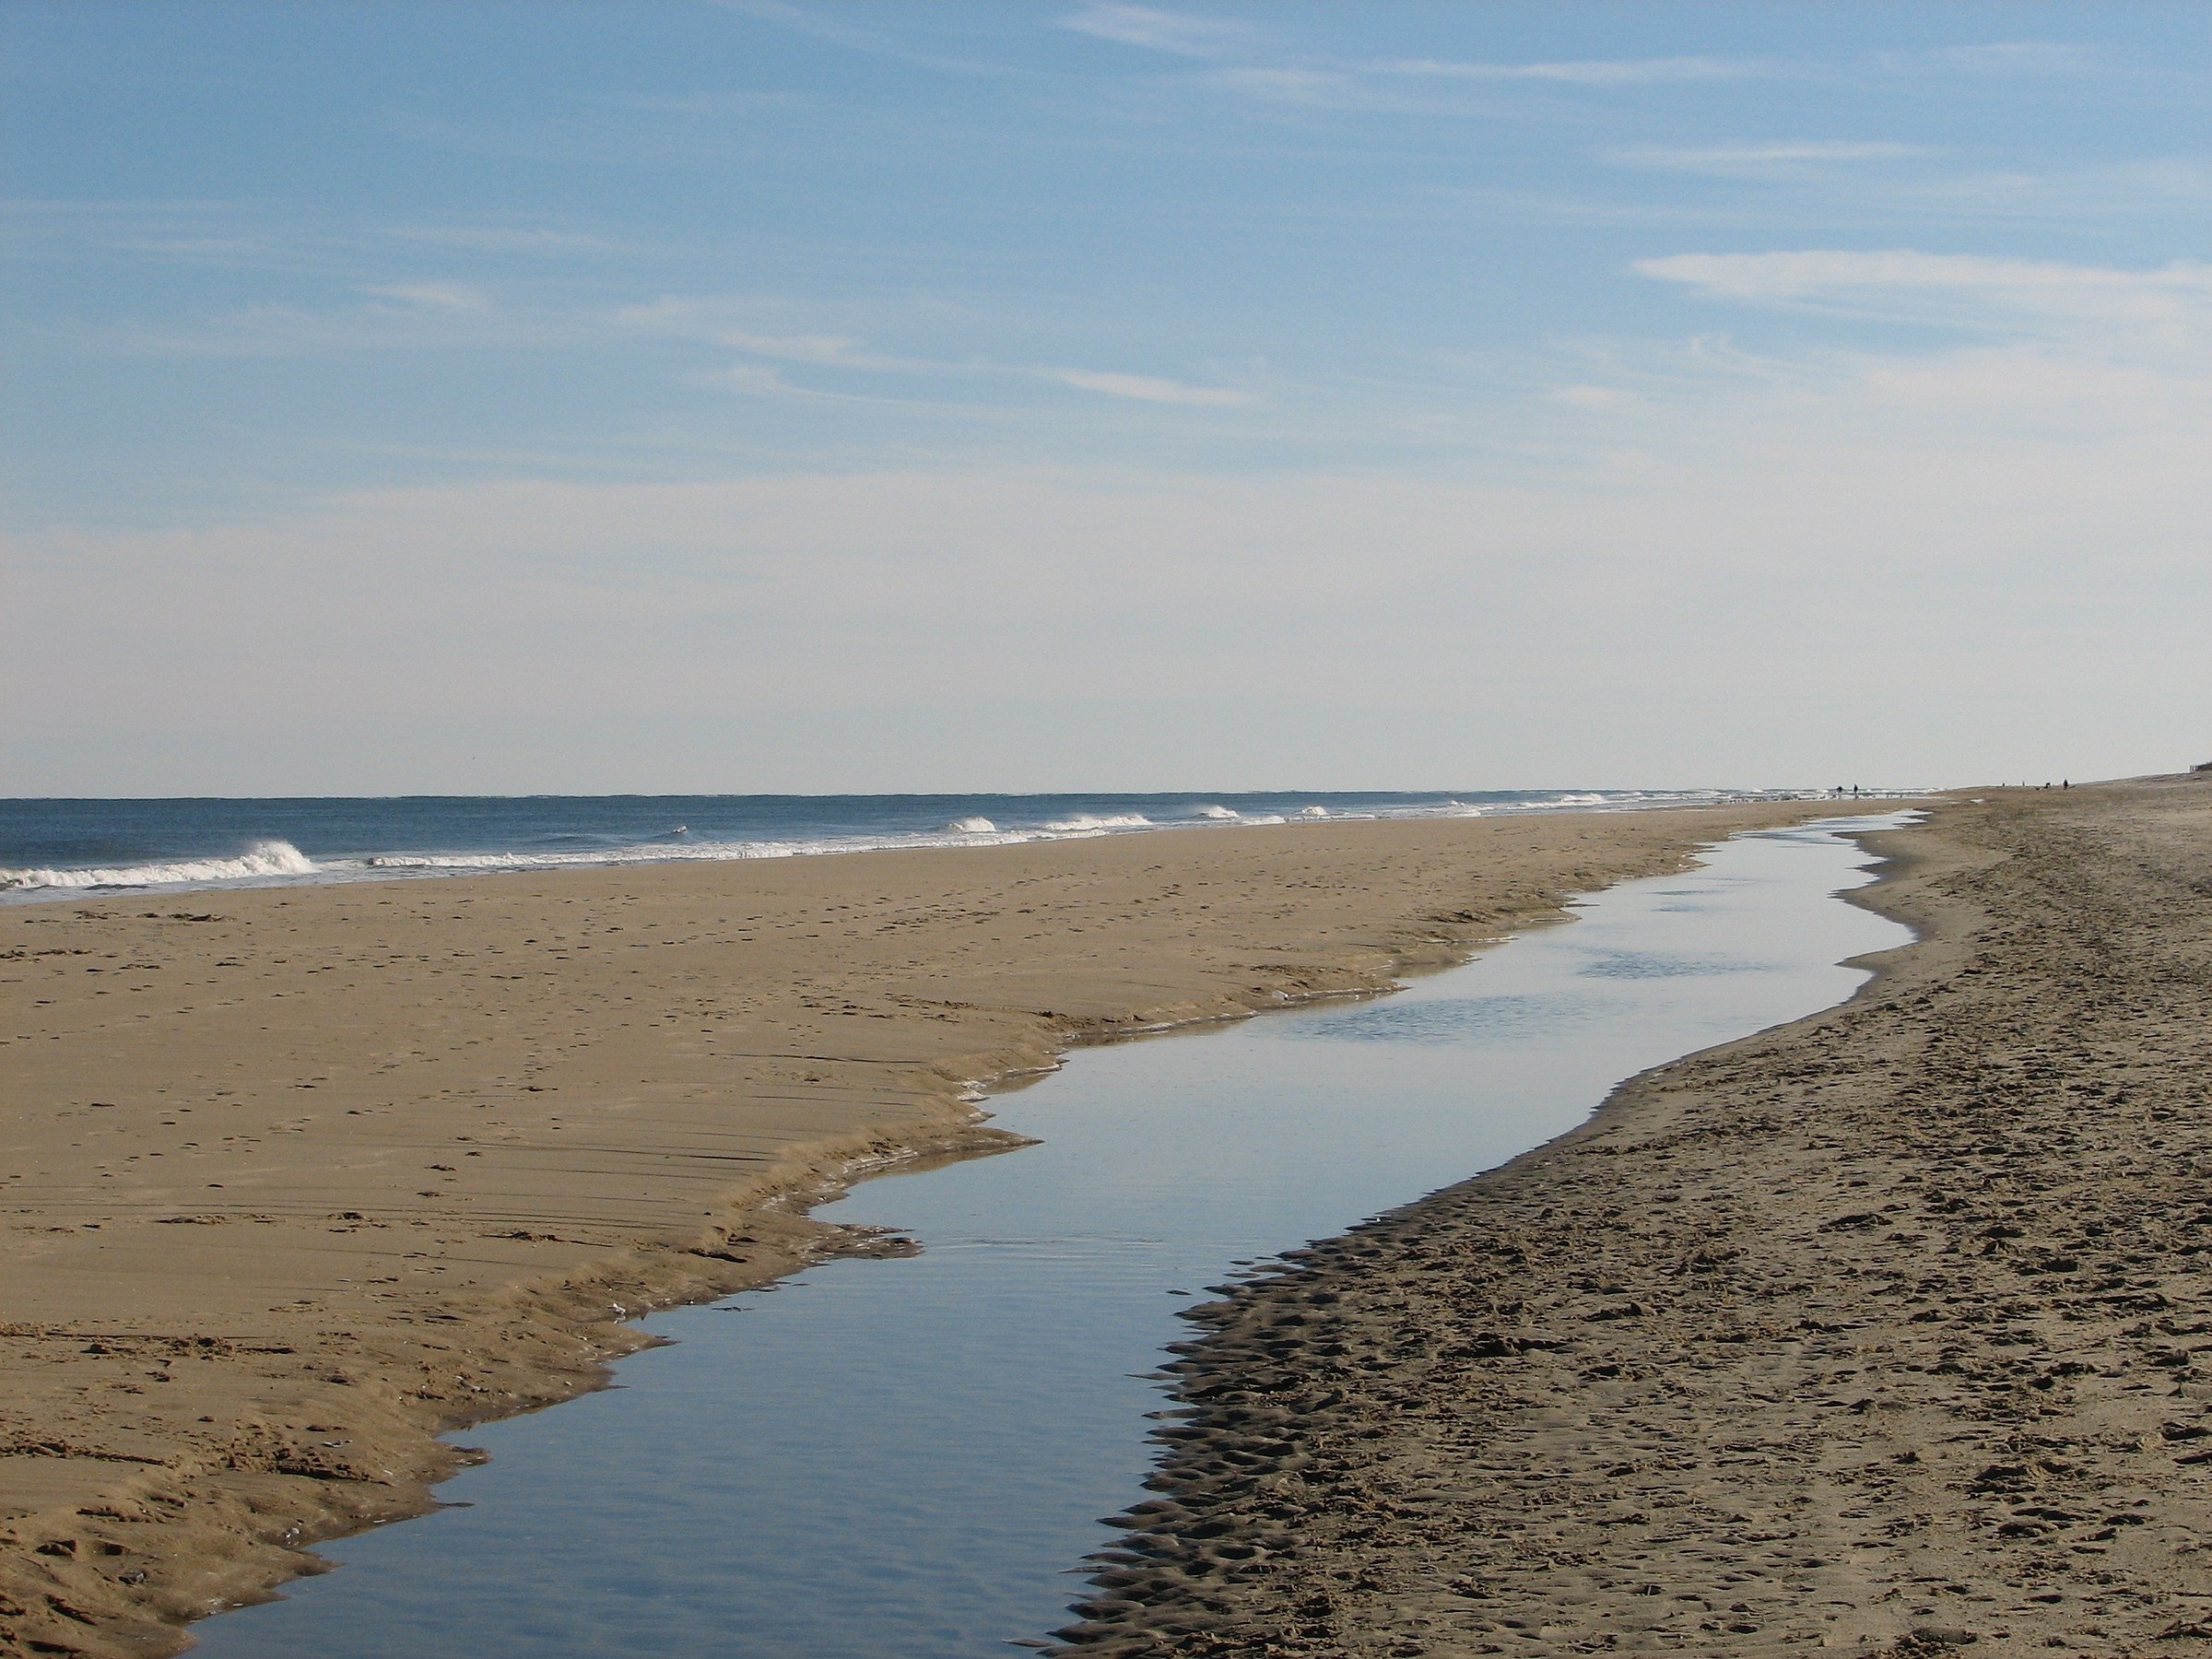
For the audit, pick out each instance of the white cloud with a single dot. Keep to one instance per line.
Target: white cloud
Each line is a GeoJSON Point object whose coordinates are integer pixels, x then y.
{"type": "Point", "coordinates": [760, 379]}
{"type": "Point", "coordinates": [1953, 287]}
{"type": "Point", "coordinates": [1178, 32]}
{"type": "Point", "coordinates": [1752, 571]}
{"type": "Point", "coordinates": [1602, 398]}
{"type": "Point", "coordinates": [1324, 88]}
{"type": "Point", "coordinates": [826, 25]}
{"type": "Point", "coordinates": [1346, 83]}
{"type": "Point", "coordinates": [1146, 388]}
{"type": "Point", "coordinates": [709, 318]}
{"type": "Point", "coordinates": [1439, 86]}
{"type": "Point", "coordinates": [507, 239]}
{"type": "Point", "coordinates": [797, 348]}
{"type": "Point", "coordinates": [434, 296]}
{"type": "Point", "coordinates": [429, 316]}
{"type": "Point", "coordinates": [705, 320]}
{"type": "Point", "coordinates": [2157, 186]}
{"type": "Point", "coordinates": [2016, 57]}
{"type": "Point", "coordinates": [1596, 72]}
{"type": "Point", "coordinates": [1731, 159]}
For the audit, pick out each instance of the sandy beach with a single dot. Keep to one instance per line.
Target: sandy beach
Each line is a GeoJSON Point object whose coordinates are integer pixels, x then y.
{"type": "Point", "coordinates": [297, 1178]}
{"type": "Point", "coordinates": [1886, 1330]}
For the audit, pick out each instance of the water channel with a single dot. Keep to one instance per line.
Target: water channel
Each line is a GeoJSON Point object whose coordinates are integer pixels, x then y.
{"type": "Point", "coordinates": [907, 1459]}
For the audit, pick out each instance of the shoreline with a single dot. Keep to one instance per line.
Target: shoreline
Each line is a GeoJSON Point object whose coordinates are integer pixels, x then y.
{"type": "Point", "coordinates": [316, 1412]}
{"type": "Point", "coordinates": [1869, 1332]}
{"type": "Point", "coordinates": [272, 860]}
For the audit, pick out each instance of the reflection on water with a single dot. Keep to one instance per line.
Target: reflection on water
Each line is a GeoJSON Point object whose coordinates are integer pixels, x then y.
{"type": "Point", "coordinates": [1458, 1020]}
{"type": "Point", "coordinates": [904, 1459]}
{"type": "Point", "coordinates": [1627, 964]}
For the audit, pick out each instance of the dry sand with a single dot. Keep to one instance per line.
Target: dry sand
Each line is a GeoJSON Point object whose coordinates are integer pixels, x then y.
{"type": "Point", "coordinates": [295, 1179]}
{"type": "Point", "coordinates": [1889, 1331]}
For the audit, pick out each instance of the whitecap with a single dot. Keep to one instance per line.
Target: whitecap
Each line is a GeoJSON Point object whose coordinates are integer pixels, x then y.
{"type": "Point", "coordinates": [262, 859]}
{"type": "Point", "coordinates": [1220, 812]}
{"type": "Point", "coordinates": [1313, 812]}
{"type": "Point", "coordinates": [1084, 821]}
{"type": "Point", "coordinates": [971, 826]}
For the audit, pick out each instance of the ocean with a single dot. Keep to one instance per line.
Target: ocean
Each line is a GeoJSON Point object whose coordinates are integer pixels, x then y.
{"type": "Point", "coordinates": [56, 849]}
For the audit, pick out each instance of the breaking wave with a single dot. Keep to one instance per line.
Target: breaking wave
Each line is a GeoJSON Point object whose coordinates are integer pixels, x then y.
{"type": "Point", "coordinates": [556, 847]}
{"type": "Point", "coordinates": [260, 861]}
{"type": "Point", "coordinates": [1083, 822]}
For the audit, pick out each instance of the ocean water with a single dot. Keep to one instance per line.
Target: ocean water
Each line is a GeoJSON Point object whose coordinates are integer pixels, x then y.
{"type": "Point", "coordinates": [909, 1458]}
{"type": "Point", "coordinates": [53, 849]}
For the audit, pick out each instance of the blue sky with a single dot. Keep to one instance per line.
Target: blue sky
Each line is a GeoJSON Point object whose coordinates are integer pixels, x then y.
{"type": "Point", "coordinates": [771, 395]}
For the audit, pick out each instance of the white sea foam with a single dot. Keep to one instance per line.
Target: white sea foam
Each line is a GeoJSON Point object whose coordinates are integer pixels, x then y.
{"type": "Point", "coordinates": [650, 853]}
{"type": "Point", "coordinates": [1084, 822]}
{"type": "Point", "coordinates": [961, 832]}
{"type": "Point", "coordinates": [260, 861]}
{"type": "Point", "coordinates": [279, 861]}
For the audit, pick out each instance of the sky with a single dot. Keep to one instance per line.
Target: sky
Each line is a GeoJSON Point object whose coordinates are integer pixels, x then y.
{"type": "Point", "coordinates": [475, 397]}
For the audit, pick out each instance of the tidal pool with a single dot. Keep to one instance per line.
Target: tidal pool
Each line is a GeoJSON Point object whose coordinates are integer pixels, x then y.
{"type": "Point", "coordinates": [908, 1459]}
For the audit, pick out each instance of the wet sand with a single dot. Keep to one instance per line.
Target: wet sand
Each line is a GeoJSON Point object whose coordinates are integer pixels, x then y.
{"type": "Point", "coordinates": [296, 1178]}
{"type": "Point", "coordinates": [1889, 1331]}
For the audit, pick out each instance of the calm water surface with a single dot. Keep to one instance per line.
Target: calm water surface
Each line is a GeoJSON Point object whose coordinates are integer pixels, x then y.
{"type": "Point", "coordinates": [907, 1459]}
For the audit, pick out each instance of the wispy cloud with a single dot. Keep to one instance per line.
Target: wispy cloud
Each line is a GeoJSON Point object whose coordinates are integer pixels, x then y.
{"type": "Point", "coordinates": [1444, 88]}
{"type": "Point", "coordinates": [226, 235]}
{"type": "Point", "coordinates": [1791, 155]}
{"type": "Point", "coordinates": [434, 296]}
{"type": "Point", "coordinates": [2016, 57]}
{"type": "Point", "coordinates": [768, 380]}
{"type": "Point", "coordinates": [764, 380]}
{"type": "Point", "coordinates": [1604, 399]}
{"type": "Point", "coordinates": [1591, 72]}
{"type": "Point", "coordinates": [799, 349]}
{"type": "Point", "coordinates": [1961, 289]}
{"type": "Point", "coordinates": [2154, 185]}
{"type": "Point", "coordinates": [406, 316]}
{"type": "Point", "coordinates": [1869, 188]}
{"type": "Point", "coordinates": [707, 320]}
{"type": "Point", "coordinates": [509, 239]}
{"type": "Point", "coordinates": [836, 31]}
{"type": "Point", "coordinates": [1385, 85]}
{"type": "Point", "coordinates": [1329, 88]}
{"type": "Point", "coordinates": [1146, 388]}
{"type": "Point", "coordinates": [1178, 32]}
{"type": "Point", "coordinates": [712, 106]}
{"type": "Point", "coordinates": [1814, 272]}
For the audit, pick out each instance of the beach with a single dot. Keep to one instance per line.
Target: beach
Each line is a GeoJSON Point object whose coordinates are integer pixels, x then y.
{"type": "Point", "coordinates": [1885, 1331]}
{"type": "Point", "coordinates": [299, 1177]}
